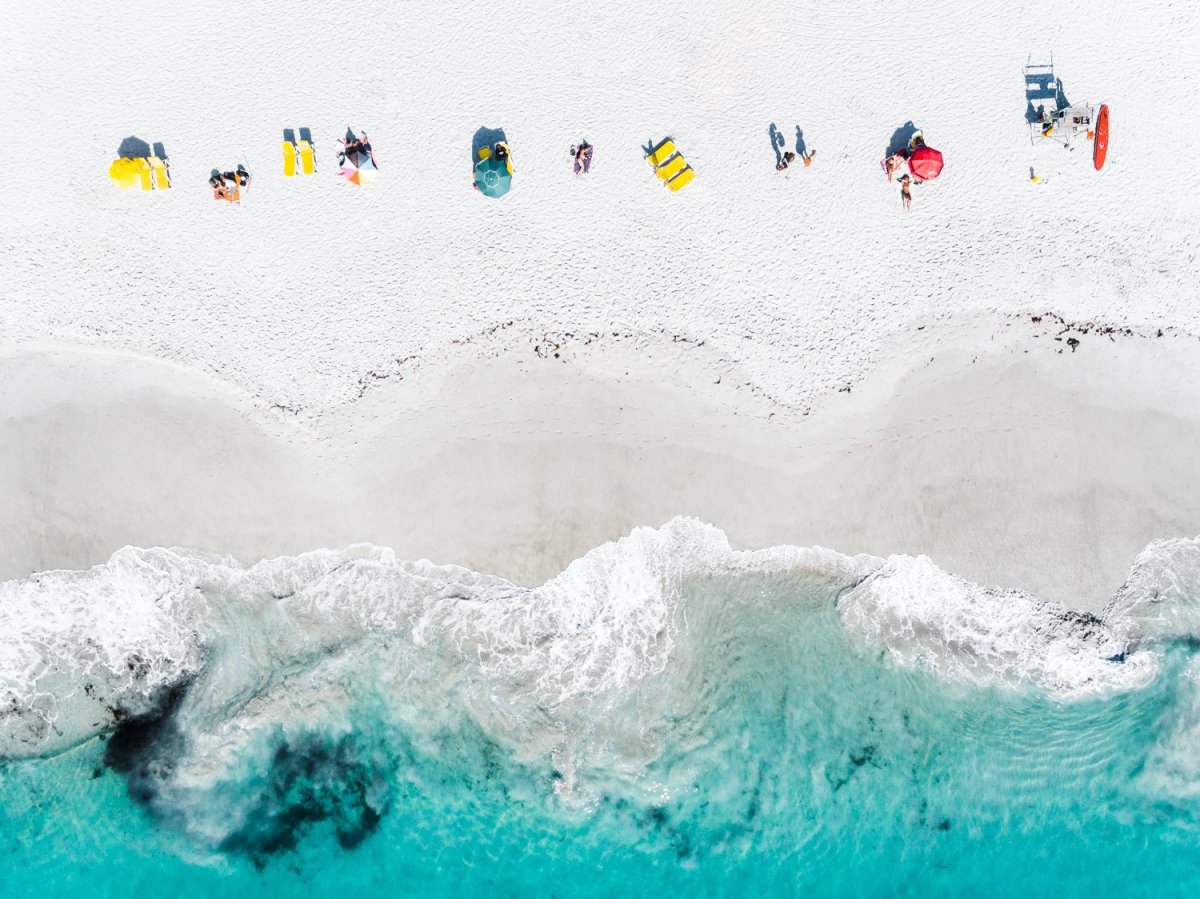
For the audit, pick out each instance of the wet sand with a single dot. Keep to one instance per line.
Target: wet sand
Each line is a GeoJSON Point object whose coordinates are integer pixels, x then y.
{"type": "Point", "coordinates": [1037, 470]}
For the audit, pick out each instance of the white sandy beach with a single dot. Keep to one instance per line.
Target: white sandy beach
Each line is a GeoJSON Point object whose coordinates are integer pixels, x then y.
{"type": "Point", "coordinates": [1037, 470]}
{"type": "Point", "coordinates": [504, 385]}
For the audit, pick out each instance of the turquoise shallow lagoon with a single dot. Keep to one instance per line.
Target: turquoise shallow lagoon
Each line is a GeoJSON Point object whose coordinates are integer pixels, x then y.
{"type": "Point", "coordinates": [666, 717]}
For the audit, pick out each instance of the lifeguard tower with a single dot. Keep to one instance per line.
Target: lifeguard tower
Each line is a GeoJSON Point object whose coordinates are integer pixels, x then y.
{"type": "Point", "coordinates": [1051, 117]}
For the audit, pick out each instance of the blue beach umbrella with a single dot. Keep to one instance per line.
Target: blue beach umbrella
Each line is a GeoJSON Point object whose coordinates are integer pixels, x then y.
{"type": "Point", "coordinates": [492, 177]}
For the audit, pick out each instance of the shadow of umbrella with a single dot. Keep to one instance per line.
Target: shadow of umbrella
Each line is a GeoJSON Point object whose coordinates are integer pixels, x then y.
{"type": "Point", "coordinates": [900, 138]}
{"type": "Point", "coordinates": [133, 148]}
{"type": "Point", "coordinates": [486, 137]}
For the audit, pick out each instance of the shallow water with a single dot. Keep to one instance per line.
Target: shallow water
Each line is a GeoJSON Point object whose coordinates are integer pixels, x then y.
{"type": "Point", "coordinates": [666, 716]}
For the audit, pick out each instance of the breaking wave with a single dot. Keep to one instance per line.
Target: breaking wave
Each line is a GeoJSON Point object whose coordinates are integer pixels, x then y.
{"type": "Point", "coordinates": [246, 707]}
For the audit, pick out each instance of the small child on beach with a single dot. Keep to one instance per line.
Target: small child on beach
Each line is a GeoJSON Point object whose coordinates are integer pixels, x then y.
{"type": "Point", "coordinates": [906, 192]}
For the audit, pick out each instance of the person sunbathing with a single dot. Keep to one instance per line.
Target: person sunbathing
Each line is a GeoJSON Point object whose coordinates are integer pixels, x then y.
{"type": "Point", "coordinates": [219, 185]}
{"type": "Point", "coordinates": [225, 184]}
{"type": "Point", "coordinates": [357, 145]}
{"type": "Point", "coordinates": [583, 155]}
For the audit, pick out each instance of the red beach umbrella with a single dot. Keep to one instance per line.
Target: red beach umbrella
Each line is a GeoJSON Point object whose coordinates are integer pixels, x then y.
{"type": "Point", "coordinates": [925, 163]}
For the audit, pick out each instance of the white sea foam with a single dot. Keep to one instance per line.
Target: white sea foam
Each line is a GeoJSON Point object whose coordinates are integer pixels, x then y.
{"type": "Point", "coordinates": [1161, 598]}
{"type": "Point", "coordinates": [282, 640]}
{"type": "Point", "coordinates": [985, 636]}
{"type": "Point", "coordinates": [81, 648]}
{"type": "Point", "coordinates": [612, 617]}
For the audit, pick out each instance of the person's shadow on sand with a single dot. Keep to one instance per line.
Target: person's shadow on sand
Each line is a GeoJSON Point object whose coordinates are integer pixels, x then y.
{"type": "Point", "coordinates": [777, 143]}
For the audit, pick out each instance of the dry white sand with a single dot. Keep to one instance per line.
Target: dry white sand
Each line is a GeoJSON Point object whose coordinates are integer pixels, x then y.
{"type": "Point", "coordinates": [1015, 465]}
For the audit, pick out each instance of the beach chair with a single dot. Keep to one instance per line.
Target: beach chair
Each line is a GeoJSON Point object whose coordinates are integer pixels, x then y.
{"type": "Point", "coordinates": [162, 179]}
{"type": "Point", "coordinates": [289, 158]}
{"type": "Point", "coordinates": [661, 153]}
{"type": "Point", "coordinates": [308, 160]}
{"type": "Point", "coordinates": [484, 153]}
{"type": "Point", "coordinates": [307, 138]}
{"type": "Point", "coordinates": [681, 180]}
{"type": "Point", "coordinates": [142, 166]}
{"type": "Point", "coordinates": [671, 167]}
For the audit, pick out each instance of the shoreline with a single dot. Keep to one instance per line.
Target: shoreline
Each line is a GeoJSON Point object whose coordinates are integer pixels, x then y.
{"type": "Point", "coordinates": [1042, 471]}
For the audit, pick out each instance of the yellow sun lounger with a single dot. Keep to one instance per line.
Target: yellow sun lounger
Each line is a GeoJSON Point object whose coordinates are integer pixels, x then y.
{"type": "Point", "coordinates": [671, 168]}
{"type": "Point", "coordinates": [307, 159]}
{"type": "Point", "coordinates": [142, 167]}
{"type": "Point", "coordinates": [681, 180]}
{"type": "Point", "coordinates": [289, 158]}
{"type": "Point", "coordinates": [661, 153]}
{"type": "Point", "coordinates": [484, 153]}
{"type": "Point", "coordinates": [162, 180]}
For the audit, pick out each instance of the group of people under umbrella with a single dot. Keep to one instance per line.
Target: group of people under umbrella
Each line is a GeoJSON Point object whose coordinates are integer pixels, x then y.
{"type": "Point", "coordinates": [357, 159]}
{"type": "Point", "coordinates": [924, 163]}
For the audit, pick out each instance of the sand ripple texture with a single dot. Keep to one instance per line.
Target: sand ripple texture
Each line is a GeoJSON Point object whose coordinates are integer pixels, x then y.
{"type": "Point", "coordinates": [804, 280]}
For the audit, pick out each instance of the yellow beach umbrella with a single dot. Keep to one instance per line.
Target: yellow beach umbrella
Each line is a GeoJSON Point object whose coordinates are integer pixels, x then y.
{"type": "Point", "coordinates": [125, 172]}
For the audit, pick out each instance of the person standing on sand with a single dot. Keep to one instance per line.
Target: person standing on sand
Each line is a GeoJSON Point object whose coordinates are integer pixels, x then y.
{"type": "Point", "coordinates": [906, 192]}
{"type": "Point", "coordinates": [807, 155]}
{"type": "Point", "coordinates": [785, 161]}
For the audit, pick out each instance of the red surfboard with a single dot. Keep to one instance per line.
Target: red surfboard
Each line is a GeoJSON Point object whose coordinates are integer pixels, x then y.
{"type": "Point", "coordinates": [1100, 150]}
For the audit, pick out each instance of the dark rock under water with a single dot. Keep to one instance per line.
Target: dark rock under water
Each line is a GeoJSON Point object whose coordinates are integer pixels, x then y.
{"type": "Point", "coordinates": [144, 748]}
{"type": "Point", "coordinates": [310, 780]}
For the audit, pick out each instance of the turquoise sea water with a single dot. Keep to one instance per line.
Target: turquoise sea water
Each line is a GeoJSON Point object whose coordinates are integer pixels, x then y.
{"type": "Point", "coordinates": [666, 717]}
